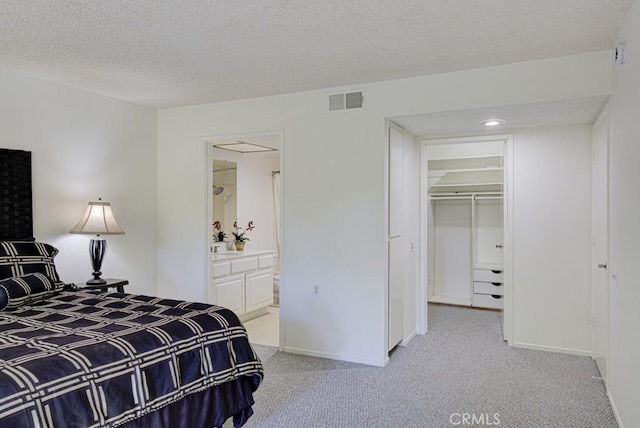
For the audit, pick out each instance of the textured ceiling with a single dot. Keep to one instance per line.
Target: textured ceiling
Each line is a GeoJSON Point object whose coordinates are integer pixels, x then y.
{"type": "Point", "coordinates": [165, 53]}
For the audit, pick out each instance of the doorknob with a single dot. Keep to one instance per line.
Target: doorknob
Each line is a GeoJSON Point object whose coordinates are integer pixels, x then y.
{"type": "Point", "coordinates": [602, 265]}
{"type": "Point", "coordinates": [499, 246]}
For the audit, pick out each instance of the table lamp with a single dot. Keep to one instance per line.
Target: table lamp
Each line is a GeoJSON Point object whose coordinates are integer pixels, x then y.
{"type": "Point", "coordinates": [98, 220]}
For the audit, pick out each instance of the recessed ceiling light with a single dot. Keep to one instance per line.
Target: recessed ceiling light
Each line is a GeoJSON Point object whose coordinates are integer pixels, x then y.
{"type": "Point", "coordinates": [492, 122]}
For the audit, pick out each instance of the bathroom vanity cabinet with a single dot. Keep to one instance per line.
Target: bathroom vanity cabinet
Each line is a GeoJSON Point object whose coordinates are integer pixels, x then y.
{"type": "Point", "coordinates": [242, 281]}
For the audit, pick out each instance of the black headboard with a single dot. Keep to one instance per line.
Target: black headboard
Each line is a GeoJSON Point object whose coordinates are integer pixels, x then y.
{"type": "Point", "coordinates": [16, 216]}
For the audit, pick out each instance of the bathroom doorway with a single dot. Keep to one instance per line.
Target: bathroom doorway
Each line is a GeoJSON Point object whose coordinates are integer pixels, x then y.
{"type": "Point", "coordinates": [244, 204]}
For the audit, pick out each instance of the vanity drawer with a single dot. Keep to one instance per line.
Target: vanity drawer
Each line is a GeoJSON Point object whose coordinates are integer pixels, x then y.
{"type": "Point", "coordinates": [221, 269]}
{"type": "Point", "coordinates": [486, 275]}
{"type": "Point", "coordinates": [265, 262]}
{"type": "Point", "coordinates": [488, 288]}
{"type": "Point", "coordinates": [244, 265]}
{"type": "Point", "coordinates": [487, 301]}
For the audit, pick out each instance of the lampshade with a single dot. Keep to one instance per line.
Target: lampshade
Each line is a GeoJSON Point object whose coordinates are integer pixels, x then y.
{"type": "Point", "coordinates": [98, 219]}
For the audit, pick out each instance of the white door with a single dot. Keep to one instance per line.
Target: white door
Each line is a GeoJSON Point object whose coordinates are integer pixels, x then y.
{"type": "Point", "coordinates": [395, 262]}
{"type": "Point", "coordinates": [489, 232]}
{"type": "Point", "coordinates": [600, 203]}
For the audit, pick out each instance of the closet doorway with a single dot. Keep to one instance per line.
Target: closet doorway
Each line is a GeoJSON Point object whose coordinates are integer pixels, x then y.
{"type": "Point", "coordinates": [466, 207]}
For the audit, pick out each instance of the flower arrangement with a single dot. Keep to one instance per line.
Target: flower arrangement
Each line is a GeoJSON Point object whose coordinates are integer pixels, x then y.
{"type": "Point", "coordinates": [218, 233]}
{"type": "Point", "coordinates": [239, 232]}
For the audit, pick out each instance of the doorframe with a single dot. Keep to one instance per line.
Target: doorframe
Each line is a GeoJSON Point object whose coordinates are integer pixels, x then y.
{"type": "Point", "coordinates": [210, 150]}
{"type": "Point", "coordinates": [604, 115]}
{"type": "Point", "coordinates": [508, 200]}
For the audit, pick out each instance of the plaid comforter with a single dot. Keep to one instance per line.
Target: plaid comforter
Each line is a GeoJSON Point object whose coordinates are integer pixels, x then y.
{"type": "Point", "coordinates": [89, 359]}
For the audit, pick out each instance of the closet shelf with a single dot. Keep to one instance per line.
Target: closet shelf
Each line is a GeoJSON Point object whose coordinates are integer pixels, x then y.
{"type": "Point", "coordinates": [466, 163]}
{"type": "Point", "coordinates": [442, 172]}
{"type": "Point", "coordinates": [467, 178]}
{"type": "Point", "coordinates": [464, 157]}
{"type": "Point", "coordinates": [495, 183]}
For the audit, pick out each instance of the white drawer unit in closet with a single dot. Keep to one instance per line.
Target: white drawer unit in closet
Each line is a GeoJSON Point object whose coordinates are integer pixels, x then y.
{"type": "Point", "coordinates": [495, 288]}
{"type": "Point", "coordinates": [488, 288]}
{"type": "Point", "coordinates": [489, 301]}
{"type": "Point", "coordinates": [488, 275]}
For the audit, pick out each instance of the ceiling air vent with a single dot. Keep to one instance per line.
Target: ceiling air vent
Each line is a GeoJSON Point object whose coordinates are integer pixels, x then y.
{"type": "Point", "coordinates": [346, 101]}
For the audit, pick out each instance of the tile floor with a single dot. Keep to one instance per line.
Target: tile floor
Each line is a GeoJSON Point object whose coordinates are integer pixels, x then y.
{"type": "Point", "coordinates": [264, 330]}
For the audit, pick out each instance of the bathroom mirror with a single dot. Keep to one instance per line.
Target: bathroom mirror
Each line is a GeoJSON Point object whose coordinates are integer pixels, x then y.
{"type": "Point", "coordinates": [224, 192]}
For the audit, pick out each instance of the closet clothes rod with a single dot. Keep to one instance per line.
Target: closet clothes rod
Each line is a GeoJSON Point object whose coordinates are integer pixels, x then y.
{"type": "Point", "coordinates": [466, 196]}
{"type": "Point", "coordinates": [451, 198]}
{"type": "Point", "coordinates": [482, 197]}
{"type": "Point", "coordinates": [442, 194]}
{"type": "Point", "coordinates": [468, 193]}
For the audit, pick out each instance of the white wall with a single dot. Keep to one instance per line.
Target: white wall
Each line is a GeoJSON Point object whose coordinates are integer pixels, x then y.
{"type": "Point", "coordinates": [333, 190]}
{"type": "Point", "coordinates": [624, 257]}
{"type": "Point", "coordinates": [552, 238]}
{"type": "Point", "coordinates": [86, 146]}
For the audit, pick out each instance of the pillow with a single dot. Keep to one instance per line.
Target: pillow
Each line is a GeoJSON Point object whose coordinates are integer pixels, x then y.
{"type": "Point", "coordinates": [23, 290]}
{"type": "Point", "coordinates": [18, 258]}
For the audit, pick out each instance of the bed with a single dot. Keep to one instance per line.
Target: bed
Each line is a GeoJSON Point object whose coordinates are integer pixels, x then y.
{"type": "Point", "coordinates": [92, 359]}
{"type": "Point", "coordinates": [75, 358]}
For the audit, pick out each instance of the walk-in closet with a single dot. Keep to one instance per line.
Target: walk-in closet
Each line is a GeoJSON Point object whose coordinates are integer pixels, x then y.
{"type": "Point", "coordinates": [465, 224]}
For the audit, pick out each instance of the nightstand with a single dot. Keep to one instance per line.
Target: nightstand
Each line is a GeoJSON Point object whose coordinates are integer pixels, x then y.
{"type": "Point", "coordinates": [118, 284]}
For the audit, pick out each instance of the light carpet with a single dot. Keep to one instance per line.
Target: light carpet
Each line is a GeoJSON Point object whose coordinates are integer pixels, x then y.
{"type": "Point", "coordinates": [461, 367]}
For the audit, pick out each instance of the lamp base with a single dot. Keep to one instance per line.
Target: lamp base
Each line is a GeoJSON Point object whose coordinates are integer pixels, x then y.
{"type": "Point", "coordinates": [97, 250]}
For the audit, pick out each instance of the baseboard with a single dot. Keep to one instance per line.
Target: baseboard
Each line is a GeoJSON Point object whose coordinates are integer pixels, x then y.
{"type": "Point", "coordinates": [408, 339]}
{"type": "Point", "coordinates": [615, 410]}
{"type": "Point", "coordinates": [580, 352]}
{"type": "Point", "coordinates": [339, 357]}
{"type": "Point", "coordinates": [455, 301]}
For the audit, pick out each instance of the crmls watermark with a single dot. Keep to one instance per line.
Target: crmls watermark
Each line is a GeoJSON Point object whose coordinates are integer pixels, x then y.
{"type": "Point", "coordinates": [475, 419]}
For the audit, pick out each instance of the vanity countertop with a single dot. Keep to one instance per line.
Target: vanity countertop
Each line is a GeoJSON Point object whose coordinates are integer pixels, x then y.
{"type": "Point", "coordinates": [227, 255]}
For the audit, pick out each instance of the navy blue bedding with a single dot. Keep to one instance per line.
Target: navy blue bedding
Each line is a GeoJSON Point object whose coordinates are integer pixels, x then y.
{"type": "Point", "coordinates": [91, 359]}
